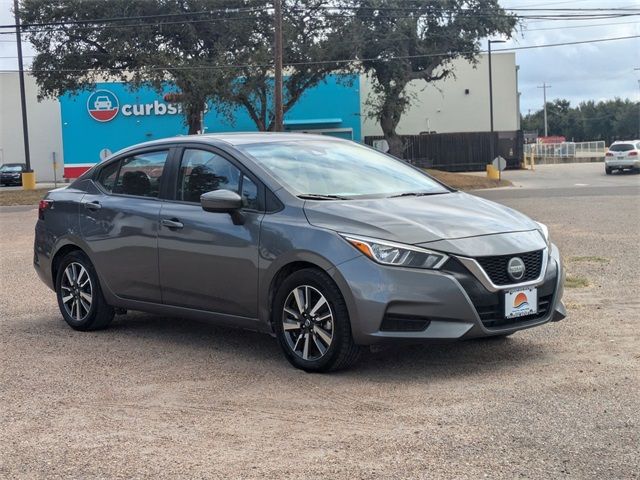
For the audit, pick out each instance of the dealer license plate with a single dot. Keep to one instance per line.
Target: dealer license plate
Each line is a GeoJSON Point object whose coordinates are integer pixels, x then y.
{"type": "Point", "coordinates": [520, 303]}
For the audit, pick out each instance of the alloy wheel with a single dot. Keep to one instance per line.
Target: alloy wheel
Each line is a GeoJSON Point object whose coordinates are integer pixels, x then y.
{"type": "Point", "coordinates": [77, 291]}
{"type": "Point", "coordinates": [307, 323]}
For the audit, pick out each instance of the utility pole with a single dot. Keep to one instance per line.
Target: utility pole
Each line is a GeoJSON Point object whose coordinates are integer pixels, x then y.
{"type": "Point", "coordinates": [23, 102]}
{"type": "Point", "coordinates": [638, 69]}
{"type": "Point", "coordinates": [277, 46]}
{"type": "Point", "coordinates": [546, 123]}
{"type": "Point", "coordinates": [491, 141]}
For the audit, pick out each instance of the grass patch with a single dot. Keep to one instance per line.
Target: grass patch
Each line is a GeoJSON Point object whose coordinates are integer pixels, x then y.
{"type": "Point", "coordinates": [576, 282]}
{"type": "Point", "coordinates": [22, 197]}
{"type": "Point", "coordinates": [461, 181]}
{"type": "Point", "coordinates": [590, 259]}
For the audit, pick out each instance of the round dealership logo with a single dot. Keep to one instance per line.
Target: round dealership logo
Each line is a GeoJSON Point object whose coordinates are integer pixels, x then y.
{"type": "Point", "coordinates": [103, 105]}
{"type": "Point", "coordinates": [516, 268]}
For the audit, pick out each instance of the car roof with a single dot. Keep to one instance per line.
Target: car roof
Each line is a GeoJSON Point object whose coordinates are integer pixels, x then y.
{"type": "Point", "coordinates": [625, 141]}
{"type": "Point", "coordinates": [236, 139]}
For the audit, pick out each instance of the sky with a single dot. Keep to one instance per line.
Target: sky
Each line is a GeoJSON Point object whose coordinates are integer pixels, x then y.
{"type": "Point", "coordinates": [578, 73]}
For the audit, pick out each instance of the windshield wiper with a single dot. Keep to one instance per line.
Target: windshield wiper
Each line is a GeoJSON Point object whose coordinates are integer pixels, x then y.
{"type": "Point", "coordinates": [317, 196]}
{"type": "Point", "coordinates": [416, 194]}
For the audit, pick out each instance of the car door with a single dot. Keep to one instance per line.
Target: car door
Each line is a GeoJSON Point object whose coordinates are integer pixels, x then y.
{"type": "Point", "coordinates": [119, 222]}
{"type": "Point", "coordinates": [206, 261]}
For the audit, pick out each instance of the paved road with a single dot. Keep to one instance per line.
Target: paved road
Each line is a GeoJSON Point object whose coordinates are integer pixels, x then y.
{"type": "Point", "coordinates": [570, 175]}
{"type": "Point", "coordinates": [165, 398]}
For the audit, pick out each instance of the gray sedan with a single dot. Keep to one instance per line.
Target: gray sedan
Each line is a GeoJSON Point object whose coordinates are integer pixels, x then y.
{"type": "Point", "coordinates": [324, 243]}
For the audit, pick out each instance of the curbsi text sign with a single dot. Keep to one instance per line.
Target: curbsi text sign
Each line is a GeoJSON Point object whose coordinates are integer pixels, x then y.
{"type": "Point", "coordinates": [103, 106]}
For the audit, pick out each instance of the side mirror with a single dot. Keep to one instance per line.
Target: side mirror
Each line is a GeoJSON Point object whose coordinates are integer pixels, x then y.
{"type": "Point", "coordinates": [223, 201]}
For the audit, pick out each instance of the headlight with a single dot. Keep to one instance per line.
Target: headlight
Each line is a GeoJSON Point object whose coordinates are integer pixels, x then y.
{"type": "Point", "coordinates": [397, 254]}
{"type": "Point", "coordinates": [544, 231]}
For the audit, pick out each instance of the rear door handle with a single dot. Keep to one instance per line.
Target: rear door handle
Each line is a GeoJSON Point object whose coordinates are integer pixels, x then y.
{"type": "Point", "coordinates": [173, 223]}
{"type": "Point", "coordinates": [92, 205]}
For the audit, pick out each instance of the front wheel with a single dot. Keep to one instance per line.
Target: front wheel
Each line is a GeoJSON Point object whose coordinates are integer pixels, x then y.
{"type": "Point", "coordinates": [79, 295]}
{"type": "Point", "coordinates": [312, 323]}
{"type": "Point", "coordinates": [608, 171]}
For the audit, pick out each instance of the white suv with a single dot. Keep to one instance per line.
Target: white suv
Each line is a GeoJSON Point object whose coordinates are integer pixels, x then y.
{"type": "Point", "coordinates": [623, 155]}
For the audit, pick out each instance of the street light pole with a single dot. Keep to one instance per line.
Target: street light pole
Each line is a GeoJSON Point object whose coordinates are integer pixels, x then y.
{"type": "Point", "coordinates": [23, 102]}
{"type": "Point", "coordinates": [277, 46]}
{"type": "Point", "coordinates": [491, 141]}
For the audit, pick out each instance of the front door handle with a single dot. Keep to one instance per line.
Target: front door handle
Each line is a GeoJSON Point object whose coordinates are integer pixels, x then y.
{"type": "Point", "coordinates": [173, 223]}
{"type": "Point", "coordinates": [92, 205]}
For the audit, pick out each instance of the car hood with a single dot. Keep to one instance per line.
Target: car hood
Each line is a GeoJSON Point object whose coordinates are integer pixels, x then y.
{"type": "Point", "coordinates": [416, 220]}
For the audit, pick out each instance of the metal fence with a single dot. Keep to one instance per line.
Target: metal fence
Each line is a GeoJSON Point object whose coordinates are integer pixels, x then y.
{"type": "Point", "coordinates": [459, 152]}
{"type": "Point", "coordinates": [566, 149]}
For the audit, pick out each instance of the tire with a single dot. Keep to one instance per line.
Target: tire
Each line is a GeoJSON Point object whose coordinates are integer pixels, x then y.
{"type": "Point", "coordinates": [80, 298]}
{"type": "Point", "coordinates": [316, 325]}
{"type": "Point", "coordinates": [608, 171]}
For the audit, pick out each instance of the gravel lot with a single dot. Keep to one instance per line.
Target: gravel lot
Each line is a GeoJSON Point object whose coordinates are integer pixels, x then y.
{"type": "Point", "coordinates": [166, 398]}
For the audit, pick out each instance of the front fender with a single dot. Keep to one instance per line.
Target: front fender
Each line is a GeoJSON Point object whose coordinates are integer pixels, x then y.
{"type": "Point", "coordinates": [287, 238]}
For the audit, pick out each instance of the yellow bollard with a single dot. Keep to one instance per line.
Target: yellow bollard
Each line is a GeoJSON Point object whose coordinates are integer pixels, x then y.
{"type": "Point", "coordinates": [492, 172]}
{"type": "Point", "coordinates": [29, 181]}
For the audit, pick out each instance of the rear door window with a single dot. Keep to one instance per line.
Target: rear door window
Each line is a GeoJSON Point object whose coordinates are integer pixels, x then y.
{"type": "Point", "coordinates": [139, 175]}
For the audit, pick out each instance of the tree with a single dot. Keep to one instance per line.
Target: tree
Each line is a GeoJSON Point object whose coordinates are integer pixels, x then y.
{"type": "Point", "coordinates": [185, 43]}
{"type": "Point", "coordinates": [313, 42]}
{"type": "Point", "coordinates": [211, 50]}
{"type": "Point", "coordinates": [590, 121]}
{"type": "Point", "coordinates": [400, 41]}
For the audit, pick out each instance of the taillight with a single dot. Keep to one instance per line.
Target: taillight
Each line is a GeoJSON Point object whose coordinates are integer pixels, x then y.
{"type": "Point", "coordinates": [42, 206]}
{"type": "Point", "coordinates": [633, 154]}
{"type": "Point", "coordinates": [609, 154]}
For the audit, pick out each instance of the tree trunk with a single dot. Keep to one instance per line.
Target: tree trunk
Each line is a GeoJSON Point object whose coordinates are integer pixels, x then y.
{"type": "Point", "coordinates": [194, 112]}
{"type": "Point", "coordinates": [389, 119]}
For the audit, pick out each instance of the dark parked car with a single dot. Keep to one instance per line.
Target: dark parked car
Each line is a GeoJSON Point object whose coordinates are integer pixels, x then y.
{"type": "Point", "coordinates": [11, 173]}
{"type": "Point", "coordinates": [327, 244]}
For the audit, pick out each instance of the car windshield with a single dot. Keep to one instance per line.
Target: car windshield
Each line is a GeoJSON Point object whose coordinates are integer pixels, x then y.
{"type": "Point", "coordinates": [331, 169]}
{"type": "Point", "coordinates": [621, 147]}
{"type": "Point", "coordinates": [11, 168]}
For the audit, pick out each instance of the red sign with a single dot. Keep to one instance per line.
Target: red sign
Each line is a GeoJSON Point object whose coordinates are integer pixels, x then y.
{"type": "Point", "coordinates": [554, 139]}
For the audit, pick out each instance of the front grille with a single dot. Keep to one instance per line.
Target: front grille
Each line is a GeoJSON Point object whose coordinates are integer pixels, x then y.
{"type": "Point", "coordinates": [496, 267]}
{"type": "Point", "coordinates": [404, 323]}
{"type": "Point", "coordinates": [490, 305]}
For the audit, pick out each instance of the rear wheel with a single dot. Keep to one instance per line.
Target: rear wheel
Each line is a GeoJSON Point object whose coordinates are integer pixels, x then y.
{"type": "Point", "coordinates": [79, 295]}
{"type": "Point", "coordinates": [312, 323]}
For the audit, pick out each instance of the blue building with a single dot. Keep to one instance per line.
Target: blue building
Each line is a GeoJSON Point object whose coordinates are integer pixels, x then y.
{"type": "Point", "coordinates": [110, 117]}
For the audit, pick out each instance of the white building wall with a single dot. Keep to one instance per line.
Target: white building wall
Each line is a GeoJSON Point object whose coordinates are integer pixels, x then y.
{"type": "Point", "coordinates": [444, 107]}
{"type": "Point", "coordinates": [45, 132]}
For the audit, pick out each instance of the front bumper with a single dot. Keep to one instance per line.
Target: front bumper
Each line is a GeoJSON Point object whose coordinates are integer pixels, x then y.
{"type": "Point", "coordinates": [10, 180]}
{"type": "Point", "coordinates": [450, 304]}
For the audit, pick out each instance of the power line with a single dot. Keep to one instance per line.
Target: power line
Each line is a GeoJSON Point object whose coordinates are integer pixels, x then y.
{"type": "Point", "coordinates": [580, 26]}
{"type": "Point", "coordinates": [138, 17]}
{"type": "Point", "coordinates": [249, 18]}
{"type": "Point", "coordinates": [616, 13]}
{"type": "Point", "coordinates": [342, 61]}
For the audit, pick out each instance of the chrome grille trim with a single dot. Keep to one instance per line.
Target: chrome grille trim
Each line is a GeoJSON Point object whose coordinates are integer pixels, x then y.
{"type": "Point", "coordinates": [476, 269]}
